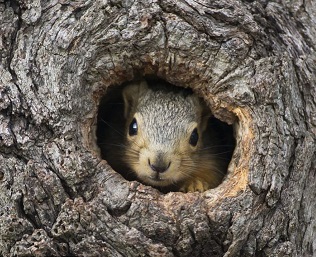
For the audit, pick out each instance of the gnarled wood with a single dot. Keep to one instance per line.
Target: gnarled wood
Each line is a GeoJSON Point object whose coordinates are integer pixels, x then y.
{"type": "Point", "coordinates": [253, 60]}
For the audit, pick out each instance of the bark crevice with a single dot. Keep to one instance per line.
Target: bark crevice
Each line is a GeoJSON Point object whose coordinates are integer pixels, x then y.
{"type": "Point", "coordinates": [251, 61]}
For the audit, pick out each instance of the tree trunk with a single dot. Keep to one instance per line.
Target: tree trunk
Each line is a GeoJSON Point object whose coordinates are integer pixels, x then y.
{"type": "Point", "coordinates": [253, 60]}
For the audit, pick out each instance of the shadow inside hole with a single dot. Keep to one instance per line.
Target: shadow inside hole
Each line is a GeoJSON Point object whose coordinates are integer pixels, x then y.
{"type": "Point", "coordinates": [112, 132]}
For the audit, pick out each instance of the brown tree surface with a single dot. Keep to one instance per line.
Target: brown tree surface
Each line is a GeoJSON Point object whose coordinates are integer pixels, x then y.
{"type": "Point", "coordinates": [254, 60]}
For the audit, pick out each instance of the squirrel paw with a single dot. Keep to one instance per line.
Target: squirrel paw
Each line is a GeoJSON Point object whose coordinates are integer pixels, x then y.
{"type": "Point", "coordinates": [195, 185]}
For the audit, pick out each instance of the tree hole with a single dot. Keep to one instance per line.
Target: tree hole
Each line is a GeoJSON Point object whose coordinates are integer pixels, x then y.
{"type": "Point", "coordinates": [163, 136]}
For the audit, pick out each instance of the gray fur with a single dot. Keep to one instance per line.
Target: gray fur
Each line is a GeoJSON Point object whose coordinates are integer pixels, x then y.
{"type": "Point", "coordinates": [167, 116]}
{"type": "Point", "coordinates": [160, 153]}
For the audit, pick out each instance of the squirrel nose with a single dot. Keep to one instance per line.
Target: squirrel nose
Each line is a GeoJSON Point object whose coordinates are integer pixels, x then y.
{"type": "Point", "coordinates": [159, 167]}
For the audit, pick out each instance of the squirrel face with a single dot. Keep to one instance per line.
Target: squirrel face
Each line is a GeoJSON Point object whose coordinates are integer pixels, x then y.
{"type": "Point", "coordinates": [163, 134]}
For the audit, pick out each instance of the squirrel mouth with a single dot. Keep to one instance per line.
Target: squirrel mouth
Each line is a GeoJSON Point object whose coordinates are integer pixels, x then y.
{"type": "Point", "coordinates": [156, 177]}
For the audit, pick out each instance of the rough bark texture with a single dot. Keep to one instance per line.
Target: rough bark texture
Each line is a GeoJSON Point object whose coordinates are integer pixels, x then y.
{"type": "Point", "coordinates": [253, 60]}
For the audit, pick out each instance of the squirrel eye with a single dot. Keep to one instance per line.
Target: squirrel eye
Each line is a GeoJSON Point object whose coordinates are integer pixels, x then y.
{"type": "Point", "coordinates": [194, 137]}
{"type": "Point", "coordinates": [133, 128]}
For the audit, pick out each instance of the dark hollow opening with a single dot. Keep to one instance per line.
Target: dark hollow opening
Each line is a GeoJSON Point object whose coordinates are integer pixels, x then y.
{"type": "Point", "coordinates": [112, 130]}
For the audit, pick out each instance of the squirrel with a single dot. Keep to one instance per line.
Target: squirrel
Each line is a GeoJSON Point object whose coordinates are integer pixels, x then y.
{"type": "Point", "coordinates": [165, 141]}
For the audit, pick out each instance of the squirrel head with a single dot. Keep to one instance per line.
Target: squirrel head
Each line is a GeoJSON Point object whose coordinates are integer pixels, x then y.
{"type": "Point", "coordinates": [163, 133]}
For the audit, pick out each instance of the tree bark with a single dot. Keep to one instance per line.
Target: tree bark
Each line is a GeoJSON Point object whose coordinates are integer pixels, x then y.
{"type": "Point", "coordinates": [252, 61]}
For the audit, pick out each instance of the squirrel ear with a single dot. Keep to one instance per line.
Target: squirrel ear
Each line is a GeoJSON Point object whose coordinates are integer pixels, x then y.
{"type": "Point", "coordinates": [132, 93]}
{"type": "Point", "coordinates": [203, 111]}
{"type": "Point", "coordinates": [205, 116]}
